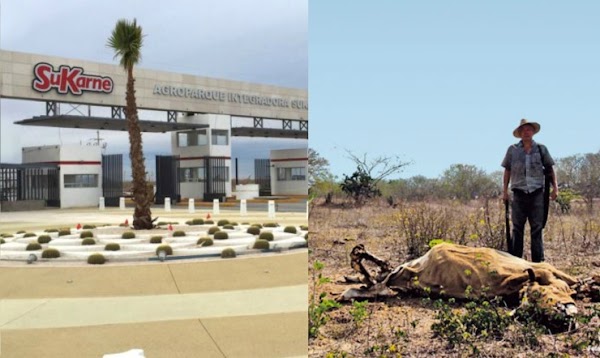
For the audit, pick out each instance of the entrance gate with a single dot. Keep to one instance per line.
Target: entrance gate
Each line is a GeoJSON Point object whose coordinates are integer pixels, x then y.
{"type": "Point", "coordinates": [112, 179]}
{"type": "Point", "coordinates": [23, 182]}
{"type": "Point", "coordinates": [167, 179]}
{"type": "Point", "coordinates": [262, 176]}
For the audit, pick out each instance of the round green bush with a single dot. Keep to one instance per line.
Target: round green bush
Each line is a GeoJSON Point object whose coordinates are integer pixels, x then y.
{"type": "Point", "coordinates": [228, 227]}
{"type": "Point", "coordinates": [113, 246]}
{"type": "Point", "coordinates": [209, 222]}
{"type": "Point", "coordinates": [6, 235]}
{"type": "Point", "coordinates": [198, 221]}
{"type": "Point", "coordinates": [2, 241]}
{"type": "Point", "coordinates": [161, 223]}
{"type": "Point", "coordinates": [221, 235]}
{"type": "Point", "coordinates": [304, 227]}
{"type": "Point", "coordinates": [29, 234]}
{"type": "Point", "coordinates": [20, 232]}
{"type": "Point", "coordinates": [222, 222]}
{"type": "Point", "coordinates": [85, 234]}
{"type": "Point", "coordinates": [44, 239]}
{"type": "Point", "coordinates": [267, 235]}
{"type": "Point", "coordinates": [189, 222]}
{"type": "Point", "coordinates": [253, 230]}
{"type": "Point", "coordinates": [261, 245]}
{"type": "Point", "coordinates": [165, 248]}
{"type": "Point", "coordinates": [50, 254]}
{"type": "Point", "coordinates": [306, 237]}
{"type": "Point", "coordinates": [88, 241]}
{"type": "Point", "coordinates": [128, 235]}
{"type": "Point", "coordinates": [96, 259]}
{"type": "Point", "coordinates": [271, 225]}
{"type": "Point", "coordinates": [228, 253]}
{"type": "Point", "coordinates": [123, 225]}
{"type": "Point", "coordinates": [64, 232]}
{"type": "Point", "coordinates": [33, 246]}
{"type": "Point", "coordinates": [156, 239]}
{"type": "Point", "coordinates": [245, 223]}
{"type": "Point", "coordinates": [205, 241]}
{"type": "Point", "coordinates": [258, 225]}
{"type": "Point", "coordinates": [213, 229]}
{"type": "Point", "coordinates": [88, 227]}
{"type": "Point", "coordinates": [290, 229]}
{"type": "Point", "coordinates": [178, 233]}
{"type": "Point", "coordinates": [51, 230]}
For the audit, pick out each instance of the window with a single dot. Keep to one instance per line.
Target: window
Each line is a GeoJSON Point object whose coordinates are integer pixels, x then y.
{"type": "Point", "coordinates": [286, 174]}
{"type": "Point", "coordinates": [182, 139]}
{"type": "Point", "coordinates": [202, 137]}
{"type": "Point", "coordinates": [219, 137]}
{"type": "Point", "coordinates": [191, 175]}
{"type": "Point", "coordinates": [220, 173]}
{"type": "Point", "coordinates": [81, 180]}
{"type": "Point", "coordinates": [192, 138]}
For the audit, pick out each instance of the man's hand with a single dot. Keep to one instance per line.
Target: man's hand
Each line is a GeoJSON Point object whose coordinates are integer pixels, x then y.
{"type": "Point", "coordinates": [554, 194]}
{"type": "Point", "coordinates": [505, 195]}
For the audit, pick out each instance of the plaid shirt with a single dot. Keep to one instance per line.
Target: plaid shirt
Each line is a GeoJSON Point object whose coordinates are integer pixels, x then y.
{"type": "Point", "coordinates": [527, 170]}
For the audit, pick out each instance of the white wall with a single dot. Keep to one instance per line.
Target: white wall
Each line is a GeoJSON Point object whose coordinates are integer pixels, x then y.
{"type": "Point", "coordinates": [289, 158]}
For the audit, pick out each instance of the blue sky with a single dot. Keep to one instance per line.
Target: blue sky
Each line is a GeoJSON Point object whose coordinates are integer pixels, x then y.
{"type": "Point", "coordinates": [439, 82]}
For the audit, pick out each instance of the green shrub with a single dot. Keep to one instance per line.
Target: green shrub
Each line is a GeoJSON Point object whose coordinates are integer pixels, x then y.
{"type": "Point", "coordinates": [306, 237]}
{"type": "Point", "coordinates": [50, 254]}
{"type": "Point", "coordinates": [271, 225]}
{"type": "Point", "coordinates": [165, 248]}
{"type": "Point", "coordinates": [123, 225]}
{"type": "Point", "coordinates": [44, 239]}
{"type": "Point", "coordinates": [267, 235]}
{"type": "Point", "coordinates": [156, 239]}
{"type": "Point", "coordinates": [228, 253]}
{"type": "Point", "coordinates": [253, 230]}
{"type": "Point", "coordinates": [33, 246]}
{"type": "Point", "coordinates": [233, 223]}
{"type": "Point", "coordinates": [222, 222]}
{"type": "Point", "coordinates": [198, 221]}
{"type": "Point", "coordinates": [2, 241]}
{"type": "Point", "coordinates": [5, 235]}
{"type": "Point", "coordinates": [189, 222]}
{"type": "Point", "coordinates": [113, 246]}
{"type": "Point", "coordinates": [51, 230]}
{"type": "Point", "coordinates": [64, 232]}
{"type": "Point", "coordinates": [128, 235]}
{"type": "Point", "coordinates": [88, 227]}
{"type": "Point", "coordinates": [96, 259]}
{"type": "Point", "coordinates": [304, 227]}
{"type": "Point", "coordinates": [261, 244]}
{"type": "Point", "coordinates": [258, 225]}
{"type": "Point", "coordinates": [228, 227]}
{"type": "Point", "coordinates": [29, 234]}
{"type": "Point", "coordinates": [213, 229]}
{"type": "Point", "coordinates": [161, 223]}
{"type": "Point", "coordinates": [178, 233]}
{"type": "Point", "coordinates": [209, 222]}
{"type": "Point", "coordinates": [246, 223]}
{"type": "Point", "coordinates": [221, 235]}
{"type": "Point", "coordinates": [205, 241]}
{"type": "Point", "coordinates": [20, 232]}
{"type": "Point", "coordinates": [290, 229]}
{"type": "Point", "coordinates": [88, 241]}
{"type": "Point", "coordinates": [85, 234]}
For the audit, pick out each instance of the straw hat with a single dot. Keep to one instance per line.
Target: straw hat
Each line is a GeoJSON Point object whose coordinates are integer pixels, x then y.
{"type": "Point", "coordinates": [536, 127]}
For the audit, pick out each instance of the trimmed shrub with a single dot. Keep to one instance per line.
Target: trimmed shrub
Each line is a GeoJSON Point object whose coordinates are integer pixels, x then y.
{"type": "Point", "coordinates": [33, 246]}
{"type": "Point", "coordinates": [63, 232]}
{"type": "Point", "coordinates": [96, 259]}
{"type": "Point", "coordinates": [20, 232]}
{"type": "Point", "coordinates": [267, 235]}
{"type": "Point", "coordinates": [222, 222]}
{"type": "Point", "coordinates": [261, 245]}
{"type": "Point", "coordinates": [178, 233]}
{"type": "Point", "coordinates": [271, 225]}
{"type": "Point", "coordinates": [209, 222]}
{"type": "Point", "coordinates": [2, 241]}
{"type": "Point", "coordinates": [5, 235]}
{"type": "Point", "coordinates": [85, 234]}
{"type": "Point", "coordinates": [189, 222]}
{"type": "Point", "coordinates": [304, 227]}
{"type": "Point", "coordinates": [245, 223]}
{"type": "Point", "coordinates": [165, 248]}
{"type": "Point", "coordinates": [306, 237]}
{"type": "Point", "coordinates": [51, 230]}
{"type": "Point", "coordinates": [44, 239]}
{"type": "Point", "coordinates": [128, 235]}
{"type": "Point", "coordinates": [228, 253]}
{"type": "Point", "coordinates": [233, 223]}
{"type": "Point", "coordinates": [50, 254]}
{"type": "Point", "coordinates": [88, 227]}
{"type": "Point", "coordinates": [221, 235]}
{"type": "Point", "coordinates": [228, 227]}
{"type": "Point", "coordinates": [113, 246]}
{"type": "Point", "coordinates": [29, 234]}
{"type": "Point", "coordinates": [88, 241]}
{"type": "Point", "coordinates": [198, 221]}
{"type": "Point", "coordinates": [156, 239]}
{"type": "Point", "coordinates": [213, 229]}
{"type": "Point", "coordinates": [253, 230]}
{"type": "Point", "coordinates": [123, 225]}
{"type": "Point", "coordinates": [205, 241]}
{"type": "Point", "coordinates": [258, 225]}
{"type": "Point", "coordinates": [161, 223]}
{"type": "Point", "coordinates": [290, 229]}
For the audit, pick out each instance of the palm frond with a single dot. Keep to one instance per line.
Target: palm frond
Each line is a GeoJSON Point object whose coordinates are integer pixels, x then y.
{"type": "Point", "coordinates": [127, 40]}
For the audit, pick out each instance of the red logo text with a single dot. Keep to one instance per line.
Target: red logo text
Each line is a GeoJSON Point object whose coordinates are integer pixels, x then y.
{"type": "Point", "coordinates": [68, 80]}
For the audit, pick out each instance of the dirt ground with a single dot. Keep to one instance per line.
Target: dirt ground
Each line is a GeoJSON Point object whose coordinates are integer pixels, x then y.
{"type": "Point", "coordinates": [402, 326]}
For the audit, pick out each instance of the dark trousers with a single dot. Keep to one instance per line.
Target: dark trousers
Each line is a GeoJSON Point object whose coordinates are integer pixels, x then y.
{"type": "Point", "coordinates": [528, 207]}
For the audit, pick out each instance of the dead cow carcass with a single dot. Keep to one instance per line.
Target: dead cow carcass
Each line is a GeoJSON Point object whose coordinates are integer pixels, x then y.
{"type": "Point", "coordinates": [466, 272]}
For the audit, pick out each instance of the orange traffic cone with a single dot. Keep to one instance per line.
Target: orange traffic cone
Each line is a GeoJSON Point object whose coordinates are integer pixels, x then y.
{"type": "Point", "coordinates": [78, 226]}
{"type": "Point", "coordinates": [170, 227]}
{"type": "Point", "coordinates": [126, 221]}
{"type": "Point", "coordinates": [207, 216]}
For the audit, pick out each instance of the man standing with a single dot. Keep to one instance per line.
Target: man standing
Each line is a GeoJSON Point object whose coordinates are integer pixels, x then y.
{"type": "Point", "coordinates": [524, 165]}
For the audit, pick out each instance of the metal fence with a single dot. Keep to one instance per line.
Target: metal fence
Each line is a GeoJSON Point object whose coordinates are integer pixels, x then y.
{"type": "Point", "coordinates": [112, 179]}
{"type": "Point", "coordinates": [19, 182]}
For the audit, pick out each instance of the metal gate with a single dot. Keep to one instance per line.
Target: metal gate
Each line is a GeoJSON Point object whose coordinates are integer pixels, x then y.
{"type": "Point", "coordinates": [20, 182]}
{"type": "Point", "coordinates": [262, 176]}
{"type": "Point", "coordinates": [167, 179]}
{"type": "Point", "coordinates": [112, 179]}
{"type": "Point", "coordinates": [217, 176]}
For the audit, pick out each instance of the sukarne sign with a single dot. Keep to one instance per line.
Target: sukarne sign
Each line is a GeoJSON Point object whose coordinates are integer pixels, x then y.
{"type": "Point", "coordinates": [68, 80]}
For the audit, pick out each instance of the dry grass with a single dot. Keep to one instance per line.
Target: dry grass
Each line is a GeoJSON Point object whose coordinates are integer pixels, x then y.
{"type": "Point", "coordinates": [402, 326]}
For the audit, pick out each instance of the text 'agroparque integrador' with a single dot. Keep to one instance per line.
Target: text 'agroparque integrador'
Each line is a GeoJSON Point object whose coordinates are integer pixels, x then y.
{"type": "Point", "coordinates": [232, 97]}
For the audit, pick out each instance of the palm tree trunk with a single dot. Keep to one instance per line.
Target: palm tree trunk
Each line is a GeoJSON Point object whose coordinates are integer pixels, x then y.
{"type": "Point", "coordinates": [142, 195]}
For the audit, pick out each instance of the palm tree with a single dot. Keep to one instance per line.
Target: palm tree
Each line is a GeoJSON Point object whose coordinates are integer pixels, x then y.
{"type": "Point", "coordinates": [126, 40]}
